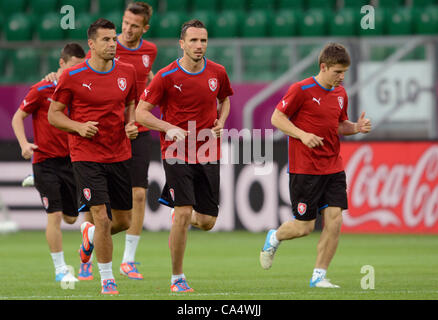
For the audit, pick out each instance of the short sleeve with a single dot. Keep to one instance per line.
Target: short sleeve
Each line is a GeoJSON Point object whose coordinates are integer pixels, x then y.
{"type": "Point", "coordinates": [63, 93]}
{"type": "Point", "coordinates": [30, 102]}
{"type": "Point", "coordinates": [292, 101]}
{"type": "Point", "coordinates": [154, 91]}
{"type": "Point", "coordinates": [132, 94]}
{"type": "Point", "coordinates": [344, 114]}
{"type": "Point", "coordinates": [225, 89]}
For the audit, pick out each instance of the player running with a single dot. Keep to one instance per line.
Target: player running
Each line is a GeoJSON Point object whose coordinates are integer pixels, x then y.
{"type": "Point", "coordinates": [52, 169]}
{"type": "Point", "coordinates": [100, 93]}
{"type": "Point", "coordinates": [313, 113]}
{"type": "Point", "coordinates": [188, 91]}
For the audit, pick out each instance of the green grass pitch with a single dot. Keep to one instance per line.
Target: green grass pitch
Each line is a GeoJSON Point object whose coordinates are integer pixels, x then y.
{"type": "Point", "coordinates": [225, 266]}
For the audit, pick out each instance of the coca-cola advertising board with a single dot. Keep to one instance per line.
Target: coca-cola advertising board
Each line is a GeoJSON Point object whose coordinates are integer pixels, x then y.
{"type": "Point", "coordinates": [392, 187]}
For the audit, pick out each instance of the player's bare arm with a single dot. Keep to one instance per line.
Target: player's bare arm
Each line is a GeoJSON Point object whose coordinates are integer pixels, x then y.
{"type": "Point", "coordinates": [347, 128]}
{"type": "Point", "coordinates": [27, 148]}
{"type": "Point", "coordinates": [145, 117]}
{"type": "Point", "coordinates": [130, 128]}
{"type": "Point", "coordinates": [282, 122]}
{"type": "Point", "coordinates": [224, 111]}
{"type": "Point", "coordinates": [51, 77]}
{"type": "Point", "coordinates": [58, 119]}
{"type": "Point", "coordinates": [150, 76]}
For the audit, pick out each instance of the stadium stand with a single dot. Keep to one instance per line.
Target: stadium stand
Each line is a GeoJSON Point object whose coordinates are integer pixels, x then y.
{"type": "Point", "coordinates": [25, 23]}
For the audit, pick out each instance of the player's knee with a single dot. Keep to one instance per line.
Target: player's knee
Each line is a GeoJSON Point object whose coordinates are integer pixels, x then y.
{"type": "Point", "coordinates": [207, 224]}
{"type": "Point", "coordinates": [183, 215]}
{"type": "Point", "coordinates": [139, 195]}
{"type": "Point", "coordinates": [307, 229]}
{"type": "Point", "coordinates": [69, 219]}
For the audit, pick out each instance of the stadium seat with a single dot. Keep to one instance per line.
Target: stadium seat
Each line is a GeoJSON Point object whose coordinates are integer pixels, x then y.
{"type": "Point", "coordinates": [210, 5]}
{"type": "Point", "coordinates": [423, 3]}
{"type": "Point", "coordinates": [344, 23]}
{"type": "Point", "coordinates": [391, 3]}
{"type": "Point", "coordinates": [26, 64]}
{"type": "Point", "coordinates": [227, 24]}
{"type": "Point", "coordinates": [303, 52]}
{"type": "Point", "coordinates": [355, 3]}
{"type": "Point", "coordinates": [19, 28]}
{"type": "Point", "coordinates": [313, 23]}
{"type": "Point", "coordinates": [9, 7]}
{"type": "Point", "coordinates": [107, 6]}
{"type": "Point", "coordinates": [399, 22]}
{"type": "Point", "coordinates": [53, 57]}
{"type": "Point", "coordinates": [380, 16]}
{"type": "Point", "coordinates": [281, 63]}
{"type": "Point", "coordinates": [426, 22]}
{"type": "Point", "coordinates": [256, 24]}
{"type": "Point", "coordinates": [177, 5]}
{"type": "Point", "coordinates": [285, 23]}
{"type": "Point", "coordinates": [223, 55]}
{"type": "Point", "coordinates": [321, 4]}
{"type": "Point", "coordinates": [49, 27]}
{"type": "Point", "coordinates": [207, 17]}
{"type": "Point", "coordinates": [290, 4]}
{"type": "Point", "coordinates": [239, 5]}
{"type": "Point", "coordinates": [260, 5]}
{"type": "Point", "coordinates": [115, 17]}
{"type": "Point", "coordinates": [43, 6]}
{"type": "Point", "coordinates": [169, 24]}
{"type": "Point", "coordinates": [82, 22]}
{"type": "Point", "coordinates": [80, 6]}
{"type": "Point", "coordinates": [258, 63]}
{"type": "Point", "coordinates": [166, 56]}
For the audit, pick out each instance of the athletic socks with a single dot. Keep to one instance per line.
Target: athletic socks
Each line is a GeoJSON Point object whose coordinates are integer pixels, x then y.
{"type": "Point", "coordinates": [106, 271]}
{"type": "Point", "coordinates": [58, 262]}
{"type": "Point", "coordinates": [131, 243]}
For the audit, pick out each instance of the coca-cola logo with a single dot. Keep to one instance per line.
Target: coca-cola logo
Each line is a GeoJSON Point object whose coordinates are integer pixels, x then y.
{"type": "Point", "coordinates": [404, 194]}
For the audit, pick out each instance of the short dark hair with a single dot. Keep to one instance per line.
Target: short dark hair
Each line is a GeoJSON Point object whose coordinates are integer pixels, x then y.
{"type": "Point", "coordinates": [192, 23]}
{"type": "Point", "coordinates": [99, 24]}
{"type": "Point", "coordinates": [334, 53]}
{"type": "Point", "coordinates": [141, 8]}
{"type": "Point", "coordinates": [72, 50]}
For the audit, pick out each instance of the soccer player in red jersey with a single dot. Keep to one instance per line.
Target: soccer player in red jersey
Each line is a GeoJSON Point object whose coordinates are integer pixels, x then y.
{"type": "Point", "coordinates": [51, 162]}
{"type": "Point", "coordinates": [133, 49]}
{"type": "Point", "coordinates": [100, 95]}
{"type": "Point", "coordinates": [193, 95]}
{"type": "Point", "coordinates": [313, 113]}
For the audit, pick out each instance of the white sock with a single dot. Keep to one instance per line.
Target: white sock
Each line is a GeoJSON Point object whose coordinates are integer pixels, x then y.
{"type": "Point", "coordinates": [175, 277]}
{"type": "Point", "coordinates": [318, 273]}
{"type": "Point", "coordinates": [91, 234]}
{"type": "Point", "coordinates": [106, 271]}
{"type": "Point", "coordinates": [131, 243]}
{"type": "Point", "coordinates": [58, 262]}
{"type": "Point", "coordinates": [274, 241]}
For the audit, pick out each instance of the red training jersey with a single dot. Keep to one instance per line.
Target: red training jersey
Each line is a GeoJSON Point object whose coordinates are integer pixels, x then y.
{"type": "Point", "coordinates": [98, 96]}
{"type": "Point", "coordinates": [189, 101]}
{"type": "Point", "coordinates": [315, 109]}
{"type": "Point", "coordinates": [51, 142]}
{"type": "Point", "coordinates": [142, 58]}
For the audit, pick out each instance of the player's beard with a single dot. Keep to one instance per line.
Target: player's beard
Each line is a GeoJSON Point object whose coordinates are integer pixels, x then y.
{"type": "Point", "coordinates": [196, 58]}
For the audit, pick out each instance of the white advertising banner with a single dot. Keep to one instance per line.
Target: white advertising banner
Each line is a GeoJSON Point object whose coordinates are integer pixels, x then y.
{"type": "Point", "coordinates": [401, 93]}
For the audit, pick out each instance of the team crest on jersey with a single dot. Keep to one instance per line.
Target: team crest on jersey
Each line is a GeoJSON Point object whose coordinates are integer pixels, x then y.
{"type": "Point", "coordinates": [212, 83]}
{"type": "Point", "coordinates": [341, 102]}
{"type": "Point", "coordinates": [146, 60]}
{"type": "Point", "coordinates": [122, 83]}
{"type": "Point", "coordinates": [45, 202]}
{"type": "Point", "coordinates": [302, 208]}
{"type": "Point", "coordinates": [172, 193]}
{"type": "Point", "coordinates": [87, 193]}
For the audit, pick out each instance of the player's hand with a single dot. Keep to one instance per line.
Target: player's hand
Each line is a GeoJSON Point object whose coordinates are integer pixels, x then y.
{"type": "Point", "coordinates": [131, 130]}
{"type": "Point", "coordinates": [27, 150]}
{"type": "Point", "coordinates": [218, 128]}
{"type": "Point", "coordinates": [176, 134]}
{"type": "Point", "coordinates": [311, 140]}
{"type": "Point", "coordinates": [363, 124]}
{"type": "Point", "coordinates": [88, 129]}
{"type": "Point", "coordinates": [51, 77]}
